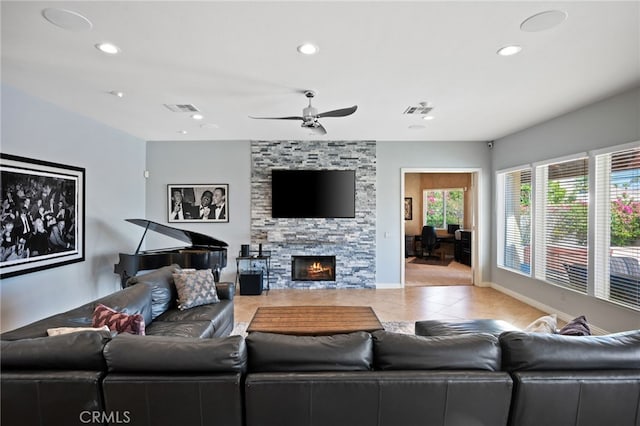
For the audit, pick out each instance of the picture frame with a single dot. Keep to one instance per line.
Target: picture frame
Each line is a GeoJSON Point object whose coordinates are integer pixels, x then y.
{"type": "Point", "coordinates": [408, 208]}
{"type": "Point", "coordinates": [42, 215]}
{"type": "Point", "coordinates": [193, 203]}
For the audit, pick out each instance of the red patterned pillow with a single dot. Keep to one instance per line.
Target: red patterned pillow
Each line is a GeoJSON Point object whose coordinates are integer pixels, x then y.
{"type": "Point", "coordinates": [117, 321]}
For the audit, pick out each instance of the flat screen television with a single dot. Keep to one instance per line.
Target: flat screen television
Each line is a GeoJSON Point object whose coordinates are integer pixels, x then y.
{"type": "Point", "coordinates": [313, 193]}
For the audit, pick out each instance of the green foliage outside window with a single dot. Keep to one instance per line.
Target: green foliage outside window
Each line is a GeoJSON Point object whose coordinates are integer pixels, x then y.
{"type": "Point", "coordinates": [568, 208]}
{"type": "Point", "coordinates": [444, 208]}
{"type": "Point", "coordinates": [625, 221]}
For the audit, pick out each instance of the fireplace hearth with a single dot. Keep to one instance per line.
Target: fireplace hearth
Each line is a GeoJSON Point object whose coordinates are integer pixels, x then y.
{"type": "Point", "coordinates": [313, 268]}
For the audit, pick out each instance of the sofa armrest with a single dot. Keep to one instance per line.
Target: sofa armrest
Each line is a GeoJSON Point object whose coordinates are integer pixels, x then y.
{"type": "Point", "coordinates": [538, 351]}
{"type": "Point", "coordinates": [226, 291]}
{"type": "Point", "coordinates": [74, 351]}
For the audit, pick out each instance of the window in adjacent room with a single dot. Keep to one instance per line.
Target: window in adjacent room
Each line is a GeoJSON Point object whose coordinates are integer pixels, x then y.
{"type": "Point", "coordinates": [514, 235]}
{"type": "Point", "coordinates": [443, 207]}
{"type": "Point", "coordinates": [561, 223]}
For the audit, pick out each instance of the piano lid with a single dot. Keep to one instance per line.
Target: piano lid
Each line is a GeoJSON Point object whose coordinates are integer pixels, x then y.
{"type": "Point", "coordinates": [183, 235]}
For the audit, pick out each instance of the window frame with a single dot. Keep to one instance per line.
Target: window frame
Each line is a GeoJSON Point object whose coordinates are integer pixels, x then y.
{"type": "Point", "coordinates": [597, 241]}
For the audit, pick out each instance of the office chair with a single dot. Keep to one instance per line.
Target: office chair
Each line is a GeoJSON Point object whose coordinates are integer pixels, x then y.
{"type": "Point", "coordinates": [429, 240]}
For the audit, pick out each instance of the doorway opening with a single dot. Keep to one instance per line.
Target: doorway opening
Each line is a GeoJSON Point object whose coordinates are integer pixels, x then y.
{"type": "Point", "coordinates": [439, 232]}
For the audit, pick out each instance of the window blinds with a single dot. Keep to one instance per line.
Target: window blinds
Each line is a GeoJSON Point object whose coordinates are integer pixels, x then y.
{"type": "Point", "coordinates": [617, 223]}
{"type": "Point", "coordinates": [561, 223]}
{"type": "Point", "coordinates": [516, 221]}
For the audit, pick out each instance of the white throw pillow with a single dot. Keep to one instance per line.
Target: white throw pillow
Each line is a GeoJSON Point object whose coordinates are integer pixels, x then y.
{"type": "Point", "coordinates": [66, 330]}
{"type": "Point", "coordinates": [545, 324]}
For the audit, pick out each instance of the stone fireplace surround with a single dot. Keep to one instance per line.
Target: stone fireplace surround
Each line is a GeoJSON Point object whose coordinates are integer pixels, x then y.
{"type": "Point", "coordinates": [352, 241]}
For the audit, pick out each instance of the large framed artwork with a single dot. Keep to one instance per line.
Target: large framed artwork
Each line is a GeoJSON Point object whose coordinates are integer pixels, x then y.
{"type": "Point", "coordinates": [42, 215]}
{"type": "Point", "coordinates": [198, 203]}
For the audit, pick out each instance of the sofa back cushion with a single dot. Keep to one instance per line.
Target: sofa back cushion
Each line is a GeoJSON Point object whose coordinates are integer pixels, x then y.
{"type": "Point", "coordinates": [132, 300]}
{"type": "Point", "coordinates": [75, 351]}
{"type": "Point", "coordinates": [534, 351]}
{"type": "Point", "coordinates": [279, 352]}
{"type": "Point", "coordinates": [163, 290]}
{"type": "Point", "coordinates": [394, 351]}
{"type": "Point", "coordinates": [170, 355]}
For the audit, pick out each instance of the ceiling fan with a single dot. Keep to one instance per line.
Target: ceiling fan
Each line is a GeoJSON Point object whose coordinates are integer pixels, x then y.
{"type": "Point", "coordinates": [310, 115]}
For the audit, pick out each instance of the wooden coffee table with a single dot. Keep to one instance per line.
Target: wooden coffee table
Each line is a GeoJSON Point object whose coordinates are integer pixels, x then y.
{"type": "Point", "coordinates": [314, 320]}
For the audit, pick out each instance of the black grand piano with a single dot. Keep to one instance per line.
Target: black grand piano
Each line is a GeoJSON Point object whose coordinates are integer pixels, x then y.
{"type": "Point", "coordinates": [204, 252]}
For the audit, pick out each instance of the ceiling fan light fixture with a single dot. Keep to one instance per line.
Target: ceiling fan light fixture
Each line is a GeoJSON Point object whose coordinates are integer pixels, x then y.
{"type": "Point", "coordinates": [509, 50]}
{"type": "Point", "coordinates": [308, 49]}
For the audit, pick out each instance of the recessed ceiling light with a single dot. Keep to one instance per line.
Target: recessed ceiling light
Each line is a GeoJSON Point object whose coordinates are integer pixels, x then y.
{"type": "Point", "coordinates": [197, 116]}
{"type": "Point", "coordinates": [417, 127]}
{"type": "Point", "coordinates": [209, 126]}
{"type": "Point", "coordinates": [67, 19]}
{"type": "Point", "coordinates": [308, 49]}
{"type": "Point", "coordinates": [543, 21]}
{"type": "Point", "coordinates": [109, 48]}
{"type": "Point", "coordinates": [182, 132]}
{"type": "Point", "coordinates": [509, 50]}
{"type": "Point", "coordinates": [428, 117]}
{"type": "Point", "coordinates": [117, 93]}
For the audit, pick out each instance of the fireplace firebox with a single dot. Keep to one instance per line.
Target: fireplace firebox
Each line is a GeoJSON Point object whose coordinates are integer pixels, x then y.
{"type": "Point", "coordinates": [313, 268]}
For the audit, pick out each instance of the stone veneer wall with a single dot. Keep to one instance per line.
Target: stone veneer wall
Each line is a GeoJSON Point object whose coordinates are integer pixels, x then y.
{"type": "Point", "coordinates": [352, 241]}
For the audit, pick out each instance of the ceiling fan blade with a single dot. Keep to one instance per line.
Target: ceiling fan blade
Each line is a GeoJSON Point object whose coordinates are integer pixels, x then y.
{"type": "Point", "coordinates": [339, 112]}
{"type": "Point", "coordinates": [278, 118]}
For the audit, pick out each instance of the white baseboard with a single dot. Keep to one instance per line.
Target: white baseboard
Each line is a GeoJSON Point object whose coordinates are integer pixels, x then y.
{"type": "Point", "coordinates": [388, 285]}
{"type": "Point", "coordinates": [544, 308]}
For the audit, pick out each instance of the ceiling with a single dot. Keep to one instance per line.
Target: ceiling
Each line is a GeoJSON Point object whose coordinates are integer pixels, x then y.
{"type": "Point", "coordinates": [232, 59]}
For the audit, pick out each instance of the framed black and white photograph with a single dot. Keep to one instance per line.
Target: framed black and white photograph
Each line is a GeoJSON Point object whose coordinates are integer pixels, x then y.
{"type": "Point", "coordinates": [408, 208]}
{"type": "Point", "coordinates": [42, 215]}
{"type": "Point", "coordinates": [198, 203]}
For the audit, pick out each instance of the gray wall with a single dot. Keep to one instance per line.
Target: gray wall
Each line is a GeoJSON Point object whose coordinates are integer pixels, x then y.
{"type": "Point", "coordinates": [394, 156]}
{"type": "Point", "coordinates": [607, 123]}
{"type": "Point", "coordinates": [202, 163]}
{"type": "Point", "coordinates": [115, 189]}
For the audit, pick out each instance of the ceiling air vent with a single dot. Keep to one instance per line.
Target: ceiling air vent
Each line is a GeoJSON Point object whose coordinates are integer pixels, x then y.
{"type": "Point", "coordinates": [421, 109]}
{"type": "Point", "coordinates": [182, 107]}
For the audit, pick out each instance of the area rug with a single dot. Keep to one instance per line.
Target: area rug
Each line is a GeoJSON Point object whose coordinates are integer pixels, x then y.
{"type": "Point", "coordinates": [405, 327]}
{"type": "Point", "coordinates": [435, 261]}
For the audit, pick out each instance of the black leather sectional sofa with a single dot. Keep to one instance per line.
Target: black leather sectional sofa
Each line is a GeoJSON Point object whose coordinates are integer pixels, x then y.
{"type": "Point", "coordinates": [176, 378]}
{"type": "Point", "coordinates": [383, 378]}
{"type": "Point", "coordinates": [60, 380]}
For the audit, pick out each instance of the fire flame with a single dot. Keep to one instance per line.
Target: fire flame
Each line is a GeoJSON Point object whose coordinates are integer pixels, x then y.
{"type": "Point", "coordinates": [317, 268]}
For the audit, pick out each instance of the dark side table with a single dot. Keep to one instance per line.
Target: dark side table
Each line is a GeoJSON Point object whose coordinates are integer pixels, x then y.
{"type": "Point", "coordinates": [254, 263]}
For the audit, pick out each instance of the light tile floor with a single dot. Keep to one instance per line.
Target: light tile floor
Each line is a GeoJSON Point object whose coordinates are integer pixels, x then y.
{"type": "Point", "coordinates": [406, 304]}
